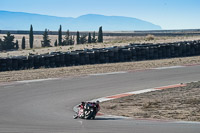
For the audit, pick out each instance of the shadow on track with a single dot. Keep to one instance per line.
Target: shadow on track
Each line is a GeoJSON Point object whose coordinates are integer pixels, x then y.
{"type": "Point", "coordinates": [108, 118]}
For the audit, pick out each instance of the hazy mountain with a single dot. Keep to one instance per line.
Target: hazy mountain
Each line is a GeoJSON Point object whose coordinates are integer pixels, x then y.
{"type": "Point", "coordinates": [89, 22]}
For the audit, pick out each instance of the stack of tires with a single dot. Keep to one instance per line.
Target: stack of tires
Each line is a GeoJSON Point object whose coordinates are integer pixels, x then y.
{"type": "Point", "coordinates": [131, 52]}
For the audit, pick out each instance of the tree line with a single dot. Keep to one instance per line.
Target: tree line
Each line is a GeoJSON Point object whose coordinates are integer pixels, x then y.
{"type": "Point", "coordinates": [8, 41]}
{"type": "Point", "coordinates": [80, 39]}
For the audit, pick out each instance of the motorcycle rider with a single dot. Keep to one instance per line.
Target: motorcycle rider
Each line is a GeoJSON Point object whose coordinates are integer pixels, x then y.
{"type": "Point", "coordinates": [84, 105]}
{"type": "Point", "coordinates": [96, 109]}
{"type": "Point", "coordinates": [97, 105]}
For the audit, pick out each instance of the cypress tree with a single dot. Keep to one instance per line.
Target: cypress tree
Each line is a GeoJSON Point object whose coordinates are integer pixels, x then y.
{"type": "Point", "coordinates": [23, 43]}
{"type": "Point", "coordinates": [31, 38]}
{"type": "Point", "coordinates": [100, 35]}
{"type": "Point", "coordinates": [60, 36]}
{"type": "Point", "coordinates": [56, 43]}
{"type": "Point", "coordinates": [46, 41]}
{"type": "Point", "coordinates": [8, 41]}
{"type": "Point", "coordinates": [67, 38]}
{"type": "Point", "coordinates": [1, 45]}
{"type": "Point", "coordinates": [17, 45]}
{"type": "Point", "coordinates": [93, 38]}
{"type": "Point", "coordinates": [83, 39]}
{"type": "Point", "coordinates": [71, 40]}
{"type": "Point", "coordinates": [77, 37]}
{"type": "Point", "coordinates": [67, 34]}
{"type": "Point", "coordinates": [89, 38]}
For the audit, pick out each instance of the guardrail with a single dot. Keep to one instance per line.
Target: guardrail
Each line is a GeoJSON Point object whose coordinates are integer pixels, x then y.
{"type": "Point", "coordinates": [131, 52]}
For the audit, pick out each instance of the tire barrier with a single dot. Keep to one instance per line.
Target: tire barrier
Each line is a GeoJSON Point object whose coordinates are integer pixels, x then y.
{"type": "Point", "coordinates": [131, 52]}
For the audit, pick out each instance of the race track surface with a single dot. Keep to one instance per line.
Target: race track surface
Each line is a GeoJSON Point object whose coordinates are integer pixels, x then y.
{"type": "Point", "coordinates": [47, 106]}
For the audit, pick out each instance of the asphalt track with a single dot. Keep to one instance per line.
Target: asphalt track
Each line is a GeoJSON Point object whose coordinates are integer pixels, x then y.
{"type": "Point", "coordinates": [47, 106]}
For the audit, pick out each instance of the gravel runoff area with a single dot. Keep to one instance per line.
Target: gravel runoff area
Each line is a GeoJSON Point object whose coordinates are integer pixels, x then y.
{"type": "Point", "coordinates": [60, 72]}
{"type": "Point", "coordinates": [181, 103]}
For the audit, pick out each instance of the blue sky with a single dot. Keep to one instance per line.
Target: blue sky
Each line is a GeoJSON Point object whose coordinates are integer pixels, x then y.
{"type": "Point", "coordinates": [169, 14]}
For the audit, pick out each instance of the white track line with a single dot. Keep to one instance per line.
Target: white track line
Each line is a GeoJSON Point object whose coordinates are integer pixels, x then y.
{"type": "Point", "coordinates": [111, 73]}
{"type": "Point", "coordinates": [141, 91]}
{"type": "Point", "coordinates": [103, 99]}
{"type": "Point", "coordinates": [35, 80]}
{"type": "Point", "coordinates": [170, 67]}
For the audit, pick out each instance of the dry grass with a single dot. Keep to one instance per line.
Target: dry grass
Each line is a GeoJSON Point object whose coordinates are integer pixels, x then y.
{"type": "Point", "coordinates": [150, 37]}
{"type": "Point", "coordinates": [181, 103]}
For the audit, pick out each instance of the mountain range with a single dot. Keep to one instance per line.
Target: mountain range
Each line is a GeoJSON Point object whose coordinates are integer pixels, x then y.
{"type": "Point", "coordinates": [90, 22]}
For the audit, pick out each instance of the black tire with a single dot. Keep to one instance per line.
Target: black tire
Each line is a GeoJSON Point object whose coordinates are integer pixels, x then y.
{"type": "Point", "coordinates": [88, 113]}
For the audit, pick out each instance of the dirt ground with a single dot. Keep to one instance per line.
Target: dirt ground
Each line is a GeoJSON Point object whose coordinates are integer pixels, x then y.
{"type": "Point", "coordinates": [182, 103]}
{"type": "Point", "coordinates": [109, 41]}
{"type": "Point", "coordinates": [92, 69]}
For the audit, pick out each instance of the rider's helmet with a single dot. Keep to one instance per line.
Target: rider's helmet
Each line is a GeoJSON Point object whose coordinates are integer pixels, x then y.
{"type": "Point", "coordinates": [97, 102]}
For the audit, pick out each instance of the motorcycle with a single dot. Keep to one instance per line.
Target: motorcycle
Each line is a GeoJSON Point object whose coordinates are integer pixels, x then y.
{"type": "Point", "coordinates": [87, 112]}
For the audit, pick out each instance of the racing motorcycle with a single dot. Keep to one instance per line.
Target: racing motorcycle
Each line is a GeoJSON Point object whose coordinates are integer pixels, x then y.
{"type": "Point", "coordinates": [88, 111]}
